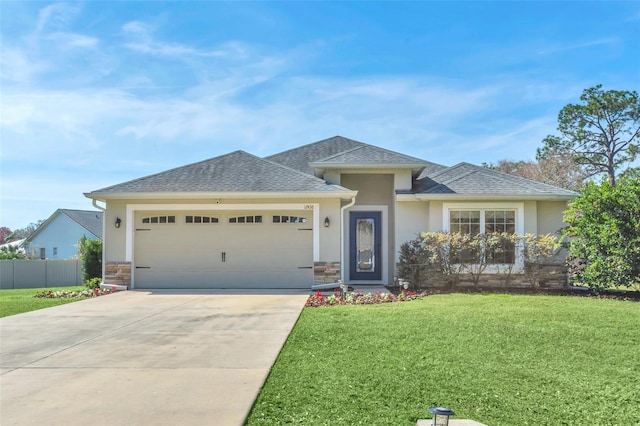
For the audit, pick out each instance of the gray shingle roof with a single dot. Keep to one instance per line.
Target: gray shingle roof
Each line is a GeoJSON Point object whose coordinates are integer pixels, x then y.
{"type": "Point", "coordinates": [338, 150]}
{"type": "Point", "coordinates": [369, 155]}
{"type": "Point", "coordinates": [91, 220]}
{"type": "Point", "coordinates": [299, 158]}
{"type": "Point", "coordinates": [234, 172]}
{"type": "Point", "coordinates": [469, 179]}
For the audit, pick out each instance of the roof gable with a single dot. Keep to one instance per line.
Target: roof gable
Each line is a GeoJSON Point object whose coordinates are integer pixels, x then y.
{"type": "Point", "coordinates": [234, 172]}
{"type": "Point", "coordinates": [300, 158]}
{"type": "Point", "coordinates": [369, 155]}
{"type": "Point", "coordinates": [469, 179]}
{"type": "Point", "coordinates": [91, 220]}
{"type": "Point", "coordinates": [341, 152]}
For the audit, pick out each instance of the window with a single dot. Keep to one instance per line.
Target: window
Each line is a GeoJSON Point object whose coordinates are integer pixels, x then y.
{"type": "Point", "coordinates": [159, 219]}
{"type": "Point", "coordinates": [465, 222]}
{"type": "Point", "coordinates": [472, 221]}
{"type": "Point", "coordinates": [289, 219]}
{"type": "Point", "coordinates": [245, 219]}
{"type": "Point", "coordinates": [43, 253]}
{"type": "Point", "coordinates": [55, 251]}
{"type": "Point", "coordinates": [201, 219]}
{"type": "Point", "coordinates": [497, 221]}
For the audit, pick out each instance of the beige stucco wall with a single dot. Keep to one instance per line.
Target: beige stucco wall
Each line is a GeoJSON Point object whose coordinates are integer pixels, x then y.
{"type": "Point", "coordinates": [411, 219]}
{"type": "Point", "coordinates": [550, 216]}
{"type": "Point", "coordinates": [435, 216]}
{"type": "Point", "coordinates": [375, 190]}
{"type": "Point", "coordinates": [403, 180]}
{"type": "Point", "coordinates": [115, 239]}
{"type": "Point", "coordinates": [530, 217]}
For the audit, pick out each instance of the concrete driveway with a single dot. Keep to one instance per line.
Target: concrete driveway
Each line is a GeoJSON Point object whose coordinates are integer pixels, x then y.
{"type": "Point", "coordinates": [143, 358]}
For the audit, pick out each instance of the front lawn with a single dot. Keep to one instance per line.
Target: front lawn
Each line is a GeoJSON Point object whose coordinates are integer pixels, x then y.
{"type": "Point", "coordinates": [14, 302]}
{"type": "Point", "coordinates": [498, 359]}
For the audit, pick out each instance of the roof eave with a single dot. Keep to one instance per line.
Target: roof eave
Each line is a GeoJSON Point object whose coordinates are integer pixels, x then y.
{"type": "Point", "coordinates": [104, 196]}
{"type": "Point", "coordinates": [324, 165]}
{"type": "Point", "coordinates": [484, 197]}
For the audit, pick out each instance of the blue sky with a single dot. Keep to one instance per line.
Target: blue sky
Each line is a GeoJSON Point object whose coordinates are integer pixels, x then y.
{"type": "Point", "coordinates": [97, 93]}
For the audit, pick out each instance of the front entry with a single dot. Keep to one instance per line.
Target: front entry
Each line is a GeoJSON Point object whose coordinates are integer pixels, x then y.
{"type": "Point", "coordinates": [365, 246]}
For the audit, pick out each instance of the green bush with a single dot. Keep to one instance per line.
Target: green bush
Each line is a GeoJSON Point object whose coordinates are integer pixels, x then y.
{"type": "Point", "coordinates": [93, 283]}
{"type": "Point", "coordinates": [452, 254]}
{"type": "Point", "coordinates": [11, 252]}
{"type": "Point", "coordinates": [90, 252]}
{"type": "Point", "coordinates": [604, 224]}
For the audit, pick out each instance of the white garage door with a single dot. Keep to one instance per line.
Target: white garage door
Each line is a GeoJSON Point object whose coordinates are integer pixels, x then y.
{"type": "Point", "coordinates": [271, 249]}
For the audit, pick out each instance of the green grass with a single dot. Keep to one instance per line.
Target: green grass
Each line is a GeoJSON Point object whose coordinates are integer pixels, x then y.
{"type": "Point", "coordinates": [14, 302]}
{"type": "Point", "coordinates": [498, 359]}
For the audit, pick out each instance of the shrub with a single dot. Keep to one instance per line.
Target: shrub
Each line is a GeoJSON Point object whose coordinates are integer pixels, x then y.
{"type": "Point", "coordinates": [93, 283]}
{"type": "Point", "coordinates": [90, 252]}
{"type": "Point", "coordinates": [11, 252]}
{"type": "Point", "coordinates": [452, 254]}
{"type": "Point", "coordinates": [604, 224]}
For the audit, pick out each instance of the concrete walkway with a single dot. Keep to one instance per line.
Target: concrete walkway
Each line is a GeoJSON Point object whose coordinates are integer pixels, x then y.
{"type": "Point", "coordinates": [143, 358]}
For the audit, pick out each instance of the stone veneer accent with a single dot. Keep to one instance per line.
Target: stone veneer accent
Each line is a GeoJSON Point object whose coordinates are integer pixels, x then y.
{"type": "Point", "coordinates": [326, 272]}
{"type": "Point", "coordinates": [550, 276]}
{"type": "Point", "coordinates": [118, 273]}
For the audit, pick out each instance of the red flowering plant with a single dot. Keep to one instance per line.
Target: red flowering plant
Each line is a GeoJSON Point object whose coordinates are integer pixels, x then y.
{"type": "Point", "coordinates": [82, 294]}
{"type": "Point", "coordinates": [358, 298]}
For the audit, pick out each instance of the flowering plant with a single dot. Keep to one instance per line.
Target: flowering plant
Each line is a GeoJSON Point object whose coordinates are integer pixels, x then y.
{"type": "Point", "coordinates": [358, 298]}
{"type": "Point", "coordinates": [49, 294]}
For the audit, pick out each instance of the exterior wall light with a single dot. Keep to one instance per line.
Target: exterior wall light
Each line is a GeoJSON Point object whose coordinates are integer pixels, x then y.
{"type": "Point", "coordinates": [327, 222]}
{"type": "Point", "coordinates": [441, 415]}
{"type": "Point", "coordinates": [117, 222]}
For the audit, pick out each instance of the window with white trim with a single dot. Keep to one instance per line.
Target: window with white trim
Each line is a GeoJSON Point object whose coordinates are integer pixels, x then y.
{"type": "Point", "coordinates": [246, 219]}
{"type": "Point", "coordinates": [159, 219]}
{"type": "Point", "coordinates": [475, 221]}
{"type": "Point", "coordinates": [201, 219]}
{"type": "Point", "coordinates": [289, 219]}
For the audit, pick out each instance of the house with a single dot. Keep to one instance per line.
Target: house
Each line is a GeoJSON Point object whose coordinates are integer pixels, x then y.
{"type": "Point", "coordinates": [333, 209]}
{"type": "Point", "coordinates": [17, 245]}
{"type": "Point", "coordinates": [58, 236]}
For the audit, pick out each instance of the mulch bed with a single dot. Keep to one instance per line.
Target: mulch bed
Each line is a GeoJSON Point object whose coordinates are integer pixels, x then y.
{"type": "Point", "coordinates": [573, 291]}
{"type": "Point", "coordinates": [78, 294]}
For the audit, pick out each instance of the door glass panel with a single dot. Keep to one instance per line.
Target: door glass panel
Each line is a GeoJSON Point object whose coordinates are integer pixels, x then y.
{"type": "Point", "coordinates": [365, 236]}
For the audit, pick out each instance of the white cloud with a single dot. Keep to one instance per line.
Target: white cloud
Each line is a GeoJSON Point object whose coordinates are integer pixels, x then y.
{"type": "Point", "coordinates": [57, 15]}
{"type": "Point", "coordinates": [72, 40]}
{"type": "Point", "coordinates": [142, 41]}
{"type": "Point", "coordinates": [17, 66]}
{"type": "Point", "coordinates": [559, 48]}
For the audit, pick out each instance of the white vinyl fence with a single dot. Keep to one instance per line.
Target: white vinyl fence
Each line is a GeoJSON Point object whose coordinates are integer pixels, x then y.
{"type": "Point", "coordinates": [18, 273]}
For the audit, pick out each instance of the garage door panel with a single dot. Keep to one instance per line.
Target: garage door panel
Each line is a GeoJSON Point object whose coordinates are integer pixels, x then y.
{"type": "Point", "coordinates": [223, 254]}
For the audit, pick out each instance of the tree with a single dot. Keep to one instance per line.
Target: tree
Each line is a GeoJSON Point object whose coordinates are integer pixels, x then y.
{"type": "Point", "coordinates": [601, 134]}
{"type": "Point", "coordinates": [556, 169]}
{"type": "Point", "coordinates": [604, 224]}
{"type": "Point", "coordinates": [4, 233]}
{"type": "Point", "coordinates": [21, 233]}
{"type": "Point", "coordinates": [11, 252]}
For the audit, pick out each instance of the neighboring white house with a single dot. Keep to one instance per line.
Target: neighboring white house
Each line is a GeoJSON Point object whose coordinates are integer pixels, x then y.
{"type": "Point", "coordinates": [58, 236]}
{"type": "Point", "coordinates": [18, 244]}
{"type": "Point", "coordinates": [333, 209]}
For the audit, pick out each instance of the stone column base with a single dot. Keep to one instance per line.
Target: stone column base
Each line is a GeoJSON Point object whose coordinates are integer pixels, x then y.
{"type": "Point", "coordinates": [117, 274]}
{"type": "Point", "coordinates": [326, 272]}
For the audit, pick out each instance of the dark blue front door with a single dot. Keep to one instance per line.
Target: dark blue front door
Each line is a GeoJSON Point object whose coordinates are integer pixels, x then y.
{"type": "Point", "coordinates": [365, 257]}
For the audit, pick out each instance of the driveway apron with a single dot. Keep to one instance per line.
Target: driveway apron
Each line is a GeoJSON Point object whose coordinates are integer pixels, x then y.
{"type": "Point", "coordinates": [143, 358]}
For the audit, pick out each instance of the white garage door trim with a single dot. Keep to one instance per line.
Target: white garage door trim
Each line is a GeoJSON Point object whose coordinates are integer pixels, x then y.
{"type": "Point", "coordinates": [132, 208]}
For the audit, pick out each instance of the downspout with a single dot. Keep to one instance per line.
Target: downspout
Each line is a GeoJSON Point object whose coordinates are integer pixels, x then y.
{"type": "Point", "coordinates": [343, 257]}
{"type": "Point", "coordinates": [94, 203]}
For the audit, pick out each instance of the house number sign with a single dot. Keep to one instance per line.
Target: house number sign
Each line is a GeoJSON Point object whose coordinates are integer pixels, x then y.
{"type": "Point", "coordinates": [308, 206]}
